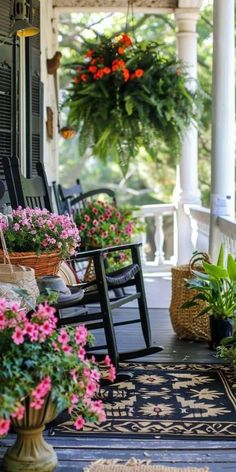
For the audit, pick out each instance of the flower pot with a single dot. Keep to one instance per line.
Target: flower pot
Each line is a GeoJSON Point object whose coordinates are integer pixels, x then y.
{"type": "Point", "coordinates": [43, 264]}
{"type": "Point", "coordinates": [30, 452]}
{"type": "Point", "coordinates": [220, 328]}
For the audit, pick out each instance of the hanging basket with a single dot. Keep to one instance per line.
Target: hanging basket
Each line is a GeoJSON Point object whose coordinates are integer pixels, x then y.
{"type": "Point", "coordinates": [43, 264]}
{"type": "Point", "coordinates": [185, 322]}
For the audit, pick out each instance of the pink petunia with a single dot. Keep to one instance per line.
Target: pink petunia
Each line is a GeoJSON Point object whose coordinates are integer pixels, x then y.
{"type": "Point", "coordinates": [4, 426]}
{"type": "Point", "coordinates": [18, 336]}
{"type": "Point", "coordinates": [79, 423]}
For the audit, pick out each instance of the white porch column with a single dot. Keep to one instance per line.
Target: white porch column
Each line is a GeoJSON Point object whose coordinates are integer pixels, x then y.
{"type": "Point", "coordinates": [187, 190]}
{"type": "Point", "coordinates": [223, 119]}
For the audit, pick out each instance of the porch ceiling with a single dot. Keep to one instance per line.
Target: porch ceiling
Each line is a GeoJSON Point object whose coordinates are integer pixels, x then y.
{"type": "Point", "coordinates": [117, 5]}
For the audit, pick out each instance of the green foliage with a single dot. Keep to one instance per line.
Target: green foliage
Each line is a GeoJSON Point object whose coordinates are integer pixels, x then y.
{"type": "Point", "coordinates": [216, 286]}
{"type": "Point", "coordinates": [125, 96]}
{"type": "Point", "coordinates": [227, 349]}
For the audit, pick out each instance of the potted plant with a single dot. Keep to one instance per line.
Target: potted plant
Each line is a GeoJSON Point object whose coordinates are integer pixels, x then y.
{"type": "Point", "coordinates": [39, 239]}
{"type": "Point", "coordinates": [216, 288]}
{"type": "Point", "coordinates": [227, 350]}
{"type": "Point", "coordinates": [125, 94]}
{"type": "Point", "coordinates": [42, 372]}
{"type": "Point", "coordinates": [101, 224]}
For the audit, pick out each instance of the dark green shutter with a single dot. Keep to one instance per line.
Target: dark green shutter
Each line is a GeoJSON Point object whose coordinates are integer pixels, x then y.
{"type": "Point", "coordinates": [34, 96]}
{"type": "Point", "coordinates": [9, 67]}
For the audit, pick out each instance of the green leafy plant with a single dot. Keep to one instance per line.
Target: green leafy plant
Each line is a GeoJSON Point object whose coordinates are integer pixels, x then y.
{"type": "Point", "coordinates": [125, 95]}
{"type": "Point", "coordinates": [37, 360]}
{"type": "Point", "coordinates": [227, 349]}
{"type": "Point", "coordinates": [216, 287]}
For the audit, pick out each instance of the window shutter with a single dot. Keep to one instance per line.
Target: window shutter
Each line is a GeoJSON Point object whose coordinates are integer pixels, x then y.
{"type": "Point", "coordinates": [34, 98]}
{"type": "Point", "coordinates": [9, 66]}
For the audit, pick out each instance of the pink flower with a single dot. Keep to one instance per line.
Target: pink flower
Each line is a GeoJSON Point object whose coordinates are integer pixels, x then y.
{"type": "Point", "coordinates": [79, 423]}
{"type": "Point", "coordinates": [63, 338]}
{"type": "Point", "coordinates": [18, 336]}
{"type": "Point", "coordinates": [74, 399]}
{"type": "Point", "coordinates": [19, 413]}
{"type": "Point", "coordinates": [81, 334]}
{"type": "Point", "coordinates": [37, 403]}
{"type": "Point", "coordinates": [4, 426]}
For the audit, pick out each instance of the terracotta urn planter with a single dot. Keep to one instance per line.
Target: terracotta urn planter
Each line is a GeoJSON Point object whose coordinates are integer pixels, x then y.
{"type": "Point", "coordinates": [30, 452]}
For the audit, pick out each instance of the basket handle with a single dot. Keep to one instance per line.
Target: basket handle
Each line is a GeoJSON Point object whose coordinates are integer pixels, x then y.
{"type": "Point", "coordinates": [6, 257]}
{"type": "Point", "coordinates": [198, 257]}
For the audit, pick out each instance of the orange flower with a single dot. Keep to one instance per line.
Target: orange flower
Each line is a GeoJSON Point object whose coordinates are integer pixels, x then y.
{"type": "Point", "coordinates": [92, 69]}
{"type": "Point", "coordinates": [89, 53]}
{"type": "Point", "coordinates": [125, 74]}
{"type": "Point", "coordinates": [84, 77]}
{"type": "Point", "coordinates": [126, 40]}
{"type": "Point", "coordinates": [106, 70]}
{"type": "Point", "coordinates": [121, 50]}
{"type": "Point", "coordinates": [76, 79]}
{"type": "Point", "coordinates": [139, 72]}
{"type": "Point", "coordinates": [99, 74]}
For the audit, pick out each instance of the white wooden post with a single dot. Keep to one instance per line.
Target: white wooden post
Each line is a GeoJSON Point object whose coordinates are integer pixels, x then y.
{"type": "Point", "coordinates": [187, 190]}
{"type": "Point", "coordinates": [223, 119]}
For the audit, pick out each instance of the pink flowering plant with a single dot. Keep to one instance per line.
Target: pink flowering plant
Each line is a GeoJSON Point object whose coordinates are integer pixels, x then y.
{"type": "Point", "coordinates": [37, 360]}
{"type": "Point", "coordinates": [101, 224]}
{"type": "Point", "coordinates": [40, 231]}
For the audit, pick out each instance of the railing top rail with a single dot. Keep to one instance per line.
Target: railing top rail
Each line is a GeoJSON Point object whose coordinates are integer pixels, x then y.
{"type": "Point", "coordinates": [227, 226]}
{"type": "Point", "coordinates": [199, 213]}
{"type": "Point", "coordinates": [157, 208]}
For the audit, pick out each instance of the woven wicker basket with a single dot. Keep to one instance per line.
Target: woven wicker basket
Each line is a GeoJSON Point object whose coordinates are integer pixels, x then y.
{"type": "Point", "coordinates": [44, 264]}
{"type": "Point", "coordinates": [185, 322]}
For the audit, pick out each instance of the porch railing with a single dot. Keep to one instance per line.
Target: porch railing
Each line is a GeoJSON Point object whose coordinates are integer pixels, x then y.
{"type": "Point", "coordinates": [200, 220]}
{"type": "Point", "coordinates": [159, 236]}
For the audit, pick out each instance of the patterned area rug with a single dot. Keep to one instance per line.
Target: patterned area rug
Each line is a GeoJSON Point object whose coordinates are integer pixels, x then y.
{"type": "Point", "coordinates": [166, 400]}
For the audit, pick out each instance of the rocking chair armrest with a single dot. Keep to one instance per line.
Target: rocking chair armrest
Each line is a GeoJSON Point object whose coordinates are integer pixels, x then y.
{"type": "Point", "coordinates": [92, 193]}
{"type": "Point", "coordinates": [94, 252]}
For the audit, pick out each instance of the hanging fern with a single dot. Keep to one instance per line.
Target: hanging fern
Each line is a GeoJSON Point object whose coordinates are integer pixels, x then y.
{"type": "Point", "coordinates": [124, 95]}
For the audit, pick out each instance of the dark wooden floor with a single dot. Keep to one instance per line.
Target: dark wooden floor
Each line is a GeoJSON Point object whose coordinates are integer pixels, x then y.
{"type": "Point", "coordinates": [76, 453]}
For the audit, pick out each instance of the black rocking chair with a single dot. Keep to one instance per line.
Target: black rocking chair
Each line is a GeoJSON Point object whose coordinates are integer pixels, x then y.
{"type": "Point", "coordinates": [34, 193]}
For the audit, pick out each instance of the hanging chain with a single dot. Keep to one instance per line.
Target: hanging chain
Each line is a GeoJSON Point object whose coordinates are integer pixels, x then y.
{"type": "Point", "coordinates": [130, 17]}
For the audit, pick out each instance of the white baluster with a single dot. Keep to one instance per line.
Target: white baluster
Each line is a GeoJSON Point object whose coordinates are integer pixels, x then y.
{"type": "Point", "coordinates": [159, 240]}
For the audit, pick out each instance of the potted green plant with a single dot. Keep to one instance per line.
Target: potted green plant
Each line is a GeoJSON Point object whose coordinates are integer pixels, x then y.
{"type": "Point", "coordinates": [39, 239]}
{"type": "Point", "coordinates": [216, 288]}
{"type": "Point", "coordinates": [126, 94]}
{"type": "Point", "coordinates": [43, 371]}
{"type": "Point", "coordinates": [227, 350]}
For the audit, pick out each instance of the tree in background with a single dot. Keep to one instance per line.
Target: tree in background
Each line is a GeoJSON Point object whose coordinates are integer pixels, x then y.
{"type": "Point", "coordinates": [148, 180]}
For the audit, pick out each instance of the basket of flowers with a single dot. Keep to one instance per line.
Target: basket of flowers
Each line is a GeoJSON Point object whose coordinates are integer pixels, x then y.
{"type": "Point", "coordinates": [39, 239]}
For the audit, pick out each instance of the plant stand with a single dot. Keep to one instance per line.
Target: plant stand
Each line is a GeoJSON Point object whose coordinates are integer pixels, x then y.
{"type": "Point", "coordinates": [30, 452]}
